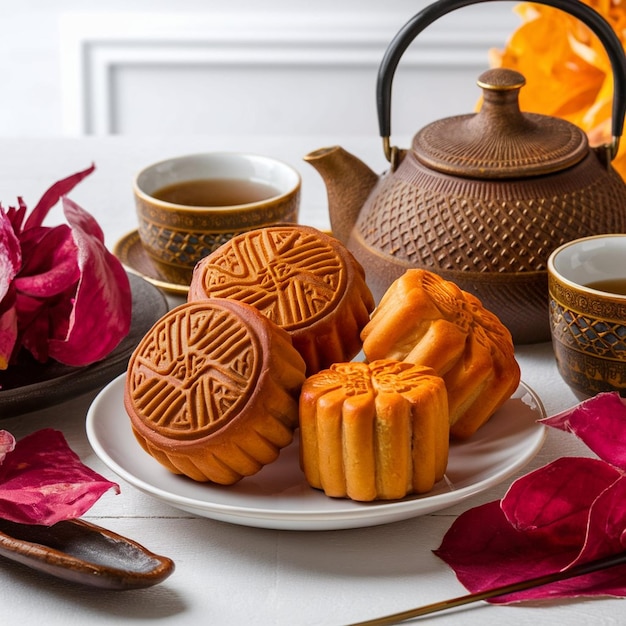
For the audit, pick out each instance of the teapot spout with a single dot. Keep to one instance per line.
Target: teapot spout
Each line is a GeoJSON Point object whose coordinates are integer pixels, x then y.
{"type": "Point", "coordinates": [348, 184]}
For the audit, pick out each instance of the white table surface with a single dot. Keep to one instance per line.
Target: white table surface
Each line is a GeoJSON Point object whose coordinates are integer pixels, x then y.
{"type": "Point", "coordinates": [228, 574]}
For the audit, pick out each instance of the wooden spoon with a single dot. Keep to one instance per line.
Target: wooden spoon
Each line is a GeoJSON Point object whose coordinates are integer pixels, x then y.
{"type": "Point", "coordinates": [80, 552]}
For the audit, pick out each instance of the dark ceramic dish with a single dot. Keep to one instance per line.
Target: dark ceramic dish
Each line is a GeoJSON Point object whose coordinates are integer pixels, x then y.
{"type": "Point", "coordinates": [83, 553]}
{"type": "Point", "coordinates": [28, 385]}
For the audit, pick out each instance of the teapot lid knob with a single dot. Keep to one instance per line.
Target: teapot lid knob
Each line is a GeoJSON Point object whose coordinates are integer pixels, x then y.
{"type": "Point", "coordinates": [500, 141]}
{"type": "Point", "coordinates": [501, 79]}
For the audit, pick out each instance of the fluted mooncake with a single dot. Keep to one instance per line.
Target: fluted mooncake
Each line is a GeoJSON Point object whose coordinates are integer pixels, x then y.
{"type": "Point", "coordinates": [212, 390]}
{"type": "Point", "coordinates": [305, 281]}
{"type": "Point", "coordinates": [426, 320]}
{"type": "Point", "coordinates": [376, 431]}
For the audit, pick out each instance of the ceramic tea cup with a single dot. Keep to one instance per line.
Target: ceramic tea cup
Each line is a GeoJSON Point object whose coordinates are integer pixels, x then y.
{"type": "Point", "coordinates": [587, 292]}
{"type": "Point", "coordinates": [190, 205]}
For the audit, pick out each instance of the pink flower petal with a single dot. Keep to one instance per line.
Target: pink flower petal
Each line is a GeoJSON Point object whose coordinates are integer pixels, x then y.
{"type": "Point", "coordinates": [42, 481]}
{"type": "Point", "coordinates": [16, 216]}
{"type": "Point", "coordinates": [53, 195]}
{"type": "Point", "coordinates": [34, 322]}
{"type": "Point", "coordinates": [70, 295]}
{"type": "Point", "coordinates": [8, 334]}
{"type": "Point", "coordinates": [52, 266]}
{"type": "Point", "coordinates": [10, 254]}
{"type": "Point", "coordinates": [7, 444]}
{"type": "Point", "coordinates": [552, 503]}
{"type": "Point", "coordinates": [102, 307]}
{"type": "Point", "coordinates": [600, 422]}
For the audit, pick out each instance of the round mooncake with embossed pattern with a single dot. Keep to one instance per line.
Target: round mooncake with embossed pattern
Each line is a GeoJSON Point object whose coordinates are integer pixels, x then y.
{"type": "Point", "coordinates": [212, 390]}
{"type": "Point", "coordinates": [302, 279]}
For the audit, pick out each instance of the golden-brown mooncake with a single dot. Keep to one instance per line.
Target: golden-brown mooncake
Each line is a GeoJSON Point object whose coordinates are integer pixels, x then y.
{"type": "Point", "coordinates": [376, 431]}
{"type": "Point", "coordinates": [426, 320]}
{"type": "Point", "coordinates": [212, 390]}
{"type": "Point", "coordinates": [302, 279]}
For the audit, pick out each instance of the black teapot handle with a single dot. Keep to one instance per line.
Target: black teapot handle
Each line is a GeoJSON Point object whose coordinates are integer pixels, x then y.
{"type": "Point", "coordinates": [427, 16]}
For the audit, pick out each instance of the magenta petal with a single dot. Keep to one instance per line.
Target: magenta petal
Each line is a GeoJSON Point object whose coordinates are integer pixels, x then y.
{"type": "Point", "coordinates": [53, 195]}
{"type": "Point", "coordinates": [51, 267]}
{"type": "Point", "coordinates": [16, 215]}
{"type": "Point", "coordinates": [607, 524]}
{"type": "Point", "coordinates": [552, 503]}
{"type": "Point", "coordinates": [7, 444]}
{"type": "Point", "coordinates": [600, 422]}
{"type": "Point", "coordinates": [8, 335]}
{"type": "Point", "coordinates": [42, 481]}
{"type": "Point", "coordinates": [567, 513]}
{"type": "Point", "coordinates": [605, 537]}
{"type": "Point", "coordinates": [28, 308]}
{"type": "Point", "coordinates": [102, 309]}
{"type": "Point", "coordinates": [485, 551]}
{"type": "Point", "coordinates": [34, 336]}
{"type": "Point", "coordinates": [10, 254]}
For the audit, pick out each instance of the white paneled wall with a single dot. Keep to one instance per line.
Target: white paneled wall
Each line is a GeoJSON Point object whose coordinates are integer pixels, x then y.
{"type": "Point", "coordinates": [278, 67]}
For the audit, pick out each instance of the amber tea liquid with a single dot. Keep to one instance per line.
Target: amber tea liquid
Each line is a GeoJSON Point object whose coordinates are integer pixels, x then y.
{"type": "Point", "coordinates": [611, 285]}
{"type": "Point", "coordinates": [210, 192]}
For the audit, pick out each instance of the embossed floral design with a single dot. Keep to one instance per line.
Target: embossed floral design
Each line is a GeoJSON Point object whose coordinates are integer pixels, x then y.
{"type": "Point", "coordinates": [202, 380]}
{"type": "Point", "coordinates": [292, 277]}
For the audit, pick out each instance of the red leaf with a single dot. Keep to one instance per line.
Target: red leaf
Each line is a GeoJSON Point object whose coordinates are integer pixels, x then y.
{"type": "Point", "coordinates": [485, 551]}
{"type": "Point", "coordinates": [607, 523]}
{"type": "Point", "coordinates": [600, 422]}
{"type": "Point", "coordinates": [570, 512]}
{"type": "Point", "coordinates": [42, 481]}
{"type": "Point", "coordinates": [552, 503]}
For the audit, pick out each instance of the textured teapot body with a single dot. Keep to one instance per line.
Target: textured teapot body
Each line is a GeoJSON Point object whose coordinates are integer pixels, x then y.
{"type": "Point", "coordinates": [481, 199]}
{"type": "Point", "coordinates": [491, 237]}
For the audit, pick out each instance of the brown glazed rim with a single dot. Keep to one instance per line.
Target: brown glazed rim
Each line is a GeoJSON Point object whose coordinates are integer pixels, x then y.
{"type": "Point", "coordinates": [557, 276]}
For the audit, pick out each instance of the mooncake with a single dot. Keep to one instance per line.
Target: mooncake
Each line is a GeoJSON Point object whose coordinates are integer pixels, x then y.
{"type": "Point", "coordinates": [304, 280]}
{"type": "Point", "coordinates": [426, 320]}
{"type": "Point", "coordinates": [212, 390]}
{"type": "Point", "coordinates": [376, 431]}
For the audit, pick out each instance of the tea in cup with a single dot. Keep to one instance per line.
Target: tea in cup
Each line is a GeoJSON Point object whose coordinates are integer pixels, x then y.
{"type": "Point", "coordinates": [587, 293]}
{"type": "Point", "coordinates": [188, 206]}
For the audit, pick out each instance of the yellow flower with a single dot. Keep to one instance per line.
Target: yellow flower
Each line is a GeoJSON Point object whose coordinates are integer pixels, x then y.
{"type": "Point", "coordinates": [568, 73]}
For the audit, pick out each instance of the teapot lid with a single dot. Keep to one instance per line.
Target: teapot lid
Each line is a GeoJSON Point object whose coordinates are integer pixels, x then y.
{"type": "Point", "coordinates": [500, 141]}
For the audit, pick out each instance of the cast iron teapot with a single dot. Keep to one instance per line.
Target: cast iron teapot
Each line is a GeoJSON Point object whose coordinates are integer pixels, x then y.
{"type": "Point", "coordinates": [481, 199]}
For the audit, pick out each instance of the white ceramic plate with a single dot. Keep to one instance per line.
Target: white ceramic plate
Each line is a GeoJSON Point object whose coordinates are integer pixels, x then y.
{"type": "Point", "coordinates": [278, 496]}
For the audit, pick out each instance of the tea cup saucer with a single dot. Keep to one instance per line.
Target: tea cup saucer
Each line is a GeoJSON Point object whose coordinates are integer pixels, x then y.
{"type": "Point", "coordinates": [134, 257]}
